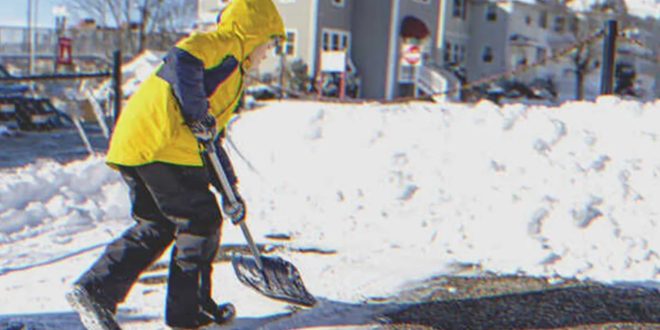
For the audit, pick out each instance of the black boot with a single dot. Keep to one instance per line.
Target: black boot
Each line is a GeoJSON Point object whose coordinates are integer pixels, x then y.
{"type": "Point", "coordinates": [218, 313]}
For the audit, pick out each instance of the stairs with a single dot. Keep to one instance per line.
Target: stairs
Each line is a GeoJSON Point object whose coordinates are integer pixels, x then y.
{"type": "Point", "coordinates": [438, 82]}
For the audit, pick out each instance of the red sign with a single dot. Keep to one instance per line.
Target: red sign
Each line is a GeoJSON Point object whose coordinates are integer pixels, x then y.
{"type": "Point", "coordinates": [412, 55]}
{"type": "Point", "coordinates": [64, 51]}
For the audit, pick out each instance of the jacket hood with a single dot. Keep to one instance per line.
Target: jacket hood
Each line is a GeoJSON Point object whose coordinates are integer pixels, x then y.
{"type": "Point", "coordinates": [254, 21]}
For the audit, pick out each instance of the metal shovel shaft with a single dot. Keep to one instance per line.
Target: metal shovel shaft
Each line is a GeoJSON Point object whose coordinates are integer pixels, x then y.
{"type": "Point", "coordinates": [229, 193]}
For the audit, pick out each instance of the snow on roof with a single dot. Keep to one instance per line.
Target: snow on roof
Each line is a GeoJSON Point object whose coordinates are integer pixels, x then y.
{"type": "Point", "coordinates": [133, 73]}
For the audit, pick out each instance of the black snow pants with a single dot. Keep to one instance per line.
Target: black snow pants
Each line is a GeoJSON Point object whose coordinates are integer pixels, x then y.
{"type": "Point", "coordinates": [170, 203]}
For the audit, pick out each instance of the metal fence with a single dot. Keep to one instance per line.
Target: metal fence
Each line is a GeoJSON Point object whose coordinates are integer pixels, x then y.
{"type": "Point", "coordinates": [14, 40]}
{"type": "Point", "coordinates": [86, 42]}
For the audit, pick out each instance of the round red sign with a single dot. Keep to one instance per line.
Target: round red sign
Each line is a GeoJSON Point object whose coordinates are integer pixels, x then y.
{"type": "Point", "coordinates": [412, 54]}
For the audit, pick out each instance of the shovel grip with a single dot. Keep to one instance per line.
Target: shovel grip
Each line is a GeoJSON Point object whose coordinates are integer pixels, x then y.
{"type": "Point", "coordinates": [220, 173]}
{"type": "Point", "coordinates": [229, 193]}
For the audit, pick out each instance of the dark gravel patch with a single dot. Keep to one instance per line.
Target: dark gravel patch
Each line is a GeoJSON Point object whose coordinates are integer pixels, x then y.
{"type": "Point", "coordinates": [514, 302]}
{"type": "Point", "coordinates": [62, 145]}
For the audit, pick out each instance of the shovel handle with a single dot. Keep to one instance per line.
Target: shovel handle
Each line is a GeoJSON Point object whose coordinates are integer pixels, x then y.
{"type": "Point", "coordinates": [229, 193]}
{"type": "Point", "coordinates": [253, 247]}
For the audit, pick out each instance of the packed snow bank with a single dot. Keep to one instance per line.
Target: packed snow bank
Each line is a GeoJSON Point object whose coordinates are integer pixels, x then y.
{"type": "Point", "coordinates": [567, 191]}
{"type": "Point", "coordinates": [401, 192]}
{"type": "Point", "coordinates": [6, 131]}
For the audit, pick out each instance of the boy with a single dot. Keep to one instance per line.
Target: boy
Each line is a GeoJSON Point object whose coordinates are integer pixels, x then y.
{"type": "Point", "coordinates": [157, 146]}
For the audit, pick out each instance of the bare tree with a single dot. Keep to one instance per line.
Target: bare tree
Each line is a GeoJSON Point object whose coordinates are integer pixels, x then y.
{"type": "Point", "coordinates": [105, 13]}
{"type": "Point", "coordinates": [585, 56]}
{"type": "Point", "coordinates": [135, 20]}
{"type": "Point", "coordinates": [587, 25]}
{"type": "Point", "coordinates": [174, 16]}
{"type": "Point", "coordinates": [171, 20]}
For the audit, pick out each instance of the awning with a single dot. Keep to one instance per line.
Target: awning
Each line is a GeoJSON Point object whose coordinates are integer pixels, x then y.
{"type": "Point", "coordinates": [412, 27]}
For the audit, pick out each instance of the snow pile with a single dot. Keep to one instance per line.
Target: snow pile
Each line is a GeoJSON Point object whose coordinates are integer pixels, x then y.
{"type": "Point", "coordinates": [133, 73]}
{"type": "Point", "coordinates": [4, 131]}
{"type": "Point", "coordinates": [44, 207]}
{"type": "Point", "coordinates": [640, 8]}
{"type": "Point", "coordinates": [545, 191]}
{"type": "Point", "coordinates": [139, 69]}
{"type": "Point", "coordinates": [644, 8]}
{"type": "Point", "coordinates": [400, 192]}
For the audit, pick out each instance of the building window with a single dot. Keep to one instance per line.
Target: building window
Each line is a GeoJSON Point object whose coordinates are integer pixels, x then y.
{"type": "Point", "coordinates": [543, 19]}
{"type": "Point", "coordinates": [446, 56]}
{"type": "Point", "coordinates": [289, 45]}
{"type": "Point", "coordinates": [573, 24]}
{"type": "Point", "coordinates": [541, 54]}
{"type": "Point", "coordinates": [457, 54]}
{"type": "Point", "coordinates": [336, 40]}
{"type": "Point", "coordinates": [491, 12]}
{"type": "Point", "coordinates": [459, 8]}
{"type": "Point", "coordinates": [559, 24]}
{"type": "Point", "coordinates": [453, 53]}
{"type": "Point", "coordinates": [528, 20]}
{"type": "Point", "coordinates": [338, 3]}
{"type": "Point", "coordinates": [487, 55]}
{"type": "Point", "coordinates": [407, 73]}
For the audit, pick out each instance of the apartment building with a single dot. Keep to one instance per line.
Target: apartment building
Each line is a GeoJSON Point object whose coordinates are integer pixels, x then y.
{"type": "Point", "coordinates": [465, 41]}
{"type": "Point", "coordinates": [369, 31]}
{"type": "Point", "coordinates": [505, 35]}
{"type": "Point", "coordinates": [468, 39]}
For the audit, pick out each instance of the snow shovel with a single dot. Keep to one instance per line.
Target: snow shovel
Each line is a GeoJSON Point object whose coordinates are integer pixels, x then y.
{"type": "Point", "coordinates": [273, 277]}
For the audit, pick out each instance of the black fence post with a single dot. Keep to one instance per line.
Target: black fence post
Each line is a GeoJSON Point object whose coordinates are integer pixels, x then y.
{"type": "Point", "coordinates": [609, 56]}
{"type": "Point", "coordinates": [116, 84]}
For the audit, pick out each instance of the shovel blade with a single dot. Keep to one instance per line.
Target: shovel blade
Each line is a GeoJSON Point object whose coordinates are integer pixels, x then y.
{"type": "Point", "coordinates": [278, 279]}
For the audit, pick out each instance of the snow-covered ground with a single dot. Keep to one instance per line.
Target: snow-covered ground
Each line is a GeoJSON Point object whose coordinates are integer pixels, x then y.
{"type": "Point", "coordinates": [400, 192]}
{"type": "Point", "coordinates": [640, 8]}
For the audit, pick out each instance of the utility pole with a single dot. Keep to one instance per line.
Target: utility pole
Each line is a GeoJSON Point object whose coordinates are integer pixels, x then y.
{"type": "Point", "coordinates": [29, 37]}
{"type": "Point", "coordinates": [609, 56]}
{"type": "Point", "coordinates": [282, 49]}
{"type": "Point", "coordinates": [32, 38]}
{"type": "Point", "coordinates": [116, 83]}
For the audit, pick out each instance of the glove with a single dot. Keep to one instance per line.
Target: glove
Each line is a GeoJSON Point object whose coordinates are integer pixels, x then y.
{"type": "Point", "coordinates": [204, 129]}
{"type": "Point", "coordinates": [236, 211]}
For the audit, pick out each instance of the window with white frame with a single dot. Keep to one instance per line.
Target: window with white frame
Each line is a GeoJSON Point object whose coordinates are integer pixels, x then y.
{"type": "Point", "coordinates": [491, 12]}
{"type": "Point", "coordinates": [574, 24]}
{"type": "Point", "coordinates": [289, 46]}
{"type": "Point", "coordinates": [487, 55]}
{"type": "Point", "coordinates": [336, 40]}
{"type": "Point", "coordinates": [541, 54]}
{"type": "Point", "coordinates": [519, 59]}
{"type": "Point", "coordinates": [459, 8]}
{"type": "Point", "coordinates": [457, 54]}
{"type": "Point", "coordinates": [446, 56]}
{"type": "Point", "coordinates": [407, 73]}
{"type": "Point", "coordinates": [338, 3]}
{"type": "Point", "coordinates": [559, 24]}
{"type": "Point", "coordinates": [543, 19]}
{"type": "Point", "coordinates": [454, 53]}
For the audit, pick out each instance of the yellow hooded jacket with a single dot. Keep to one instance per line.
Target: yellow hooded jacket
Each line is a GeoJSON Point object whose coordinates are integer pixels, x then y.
{"type": "Point", "coordinates": [203, 72]}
